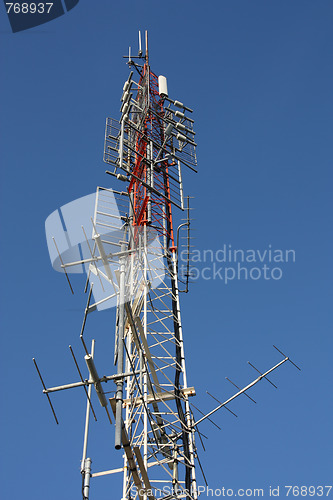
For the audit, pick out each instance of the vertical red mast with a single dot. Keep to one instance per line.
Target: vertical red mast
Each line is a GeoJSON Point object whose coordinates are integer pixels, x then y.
{"type": "Point", "coordinates": [150, 184]}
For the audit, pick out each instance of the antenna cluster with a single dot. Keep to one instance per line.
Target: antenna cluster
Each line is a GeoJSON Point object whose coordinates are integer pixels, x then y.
{"type": "Point", "coordinates": [131, 257]}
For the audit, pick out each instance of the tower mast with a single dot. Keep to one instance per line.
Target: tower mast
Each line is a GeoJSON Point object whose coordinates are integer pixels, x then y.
{"type": "Point", "coordinates": [157, 413]}
{"type": "Point", "coordinates": [131, 260]}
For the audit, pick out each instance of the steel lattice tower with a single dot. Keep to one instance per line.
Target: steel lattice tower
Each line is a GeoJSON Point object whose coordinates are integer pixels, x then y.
{"type": "Point", "coordinates": [155, 139]}
{"type": "Point", "coordinates": [131, 260]}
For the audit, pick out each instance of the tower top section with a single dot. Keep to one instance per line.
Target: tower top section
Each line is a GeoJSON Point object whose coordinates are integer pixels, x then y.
{"type": "Point", "coordinates": [152, 140]}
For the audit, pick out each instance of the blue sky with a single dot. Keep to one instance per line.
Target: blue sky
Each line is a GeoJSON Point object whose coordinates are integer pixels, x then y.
{"type": "Point", "coordinates": [259, 76]}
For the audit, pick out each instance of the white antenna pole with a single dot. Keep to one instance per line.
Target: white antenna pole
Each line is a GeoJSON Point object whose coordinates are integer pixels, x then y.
{"type": "Point", "coordinates": [86, 462]}
{"type": "Point", "coordinates": [140, 48]}
{"type": "Point", "coordinates": [146, 46]}
{"type": "Point", "coordinates": [86, 429]}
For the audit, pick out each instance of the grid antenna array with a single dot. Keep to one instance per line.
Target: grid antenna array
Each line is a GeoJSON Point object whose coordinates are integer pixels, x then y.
{"type": "Point", "coordinates": [132, 259]}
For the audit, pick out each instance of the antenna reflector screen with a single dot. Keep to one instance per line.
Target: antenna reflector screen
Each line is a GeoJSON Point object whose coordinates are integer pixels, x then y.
{"type": "Point", "coordinates": [168, 130]}
{"type": "Point", "coordinates": [162, 86]}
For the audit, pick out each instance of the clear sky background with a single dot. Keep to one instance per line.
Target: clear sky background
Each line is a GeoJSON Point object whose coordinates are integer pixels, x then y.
{"type": "Point", "coordinates": [259, 76]}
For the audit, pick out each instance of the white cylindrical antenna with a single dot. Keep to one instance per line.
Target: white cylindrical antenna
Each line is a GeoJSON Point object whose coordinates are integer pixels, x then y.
{"type": "Point", "coordinates": [180, 126]}
{"type": "Point", "coordinates": [162, 86]}
{"type": "Point", "coordinates": [181, 138]}
{"type": "Point", "coordinates": [179, 114]}
{"type": "Point", "coordinates": [126, 90]}
{"type": "Point", "coordinates": [121, 177]}
{"type": "Point", "coordinates": [128, 83]}
{"type": "Point", "coordinates": [95, 378]}
{"type": "Point", "coordinates": [97, 239]}
{"type": "Point", "coordinates": [140, 48]}
{"type": "Point", "coordinates": [126, 101]}
{"type": "Point", "coordinates": [86, 430]}
{"type": "Point", "coordinates": [178, 104]}
{"type": "Point", "coordinates": [125, 96]}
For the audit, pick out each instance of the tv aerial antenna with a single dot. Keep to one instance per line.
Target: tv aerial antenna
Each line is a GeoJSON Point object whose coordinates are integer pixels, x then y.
{"type": "Point", "coordinates": [132, 259]}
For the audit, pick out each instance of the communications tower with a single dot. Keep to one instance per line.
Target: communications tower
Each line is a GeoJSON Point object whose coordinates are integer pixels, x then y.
{"type": "Point", "coordinates": [131, 259]}
{"type": "Point", "coordinates": [152, 412]}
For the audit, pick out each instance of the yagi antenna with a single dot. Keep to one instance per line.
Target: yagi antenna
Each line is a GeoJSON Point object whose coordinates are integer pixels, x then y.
{"type": "Point", "coordinates": [298, 368]}
{"type": "Point", "coordinates": [246, 388]}
{"type": "Point", "coordinates": [202, 413]}
{"type": "Point", "coordinates": [262, 375]}
{"type": "Point", "coordinates": [44, 390]}
{"type": "Point", "coordinates": [84, 387]}
{"type": "Point", "coordinates": [223, 405]}
{"type": "Point", "coordinates": [245, 393]}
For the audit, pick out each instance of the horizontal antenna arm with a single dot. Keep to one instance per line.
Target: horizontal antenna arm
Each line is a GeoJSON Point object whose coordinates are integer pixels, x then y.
{"type": "Point", "coordinates": [87, 382]}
